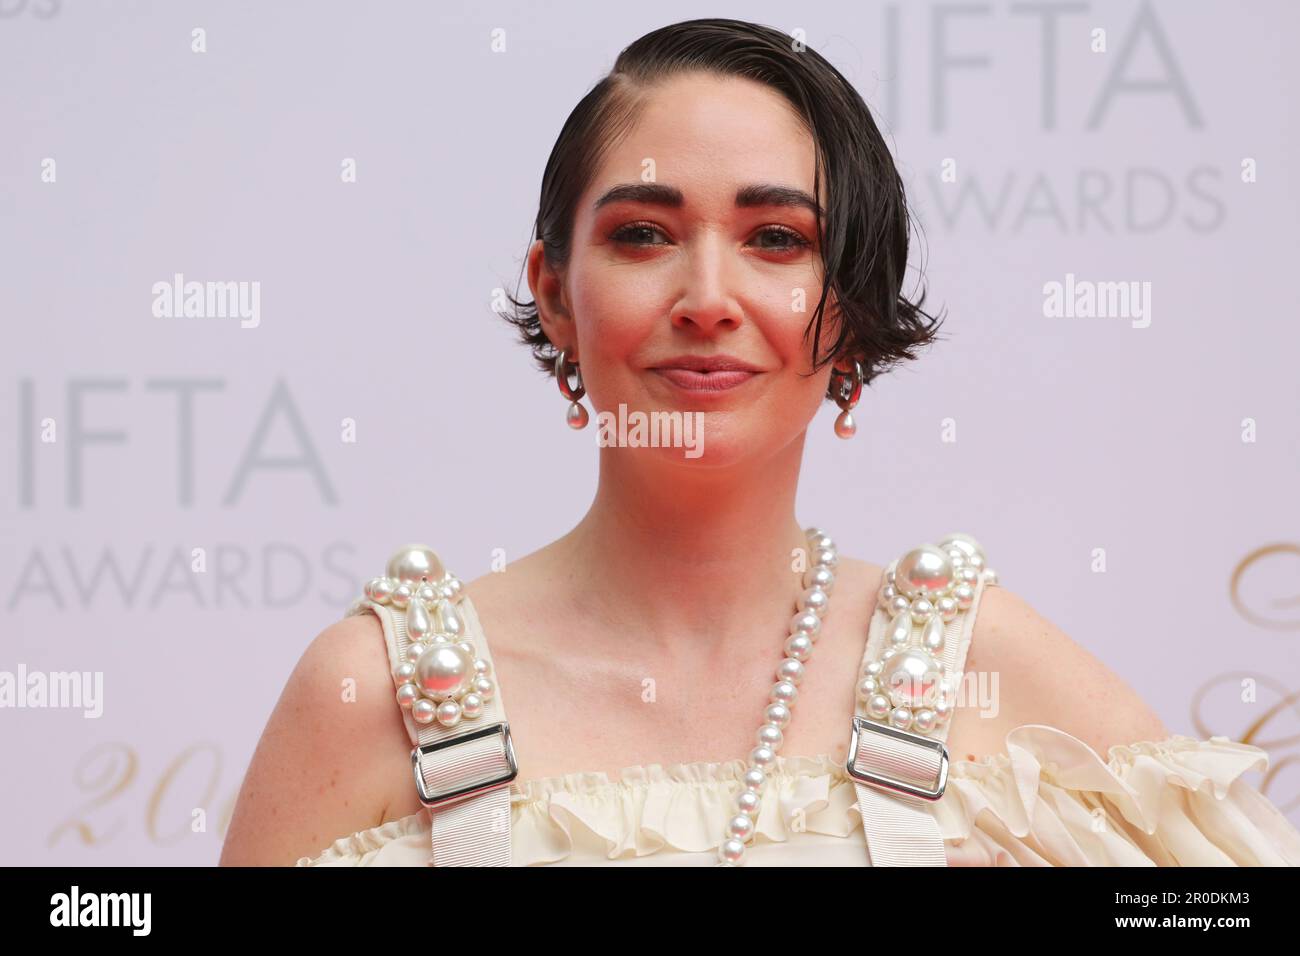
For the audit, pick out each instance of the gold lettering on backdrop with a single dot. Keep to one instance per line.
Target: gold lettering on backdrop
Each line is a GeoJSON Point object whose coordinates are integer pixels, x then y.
{"type": "Point", "coordinates": [106, 771]}
{"type": "Point", "coordinates": [152, 812]}
{"type": "Point", "coordinates": [1287, 705]}
{"type": "Point", "coordinates": [110, 769]}
{"type": "Point", "coordinates": [227, 811]}
{"type": "Point", "coordinates": [1282, 613]}
{"type": "Point", "coordinates": [1267, 566]}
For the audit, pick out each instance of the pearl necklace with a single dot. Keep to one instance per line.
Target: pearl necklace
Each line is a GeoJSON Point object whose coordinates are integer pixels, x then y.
{"type": "Point", "coordinates": [805, 627]}
{"type": "Point", "coordinates": [442, 679]}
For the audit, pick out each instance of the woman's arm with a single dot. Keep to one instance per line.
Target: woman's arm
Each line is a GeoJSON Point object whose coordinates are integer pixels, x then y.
{"type": "Point", "coordinates": [325, 764]}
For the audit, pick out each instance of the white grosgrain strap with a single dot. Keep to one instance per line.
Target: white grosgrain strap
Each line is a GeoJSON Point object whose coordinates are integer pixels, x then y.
{"type": "Point", "coordinates": [474, 830]}
{"type": "Point", "coordinates": [901, 829]}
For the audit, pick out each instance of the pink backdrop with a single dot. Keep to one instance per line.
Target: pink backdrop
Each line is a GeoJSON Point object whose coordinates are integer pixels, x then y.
{"type": "Point", "coordinates": [1162, 437]}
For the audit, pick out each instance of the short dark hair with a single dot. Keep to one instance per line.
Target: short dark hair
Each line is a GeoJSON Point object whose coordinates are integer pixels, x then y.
{"type": "Point", "coordinates": [867, 222]}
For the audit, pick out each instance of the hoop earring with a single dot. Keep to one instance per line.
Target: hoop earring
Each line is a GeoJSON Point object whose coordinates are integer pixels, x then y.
{"type": "Point", "coordinates": [845, 388]}
{"type": "Point", "coordinates": [576, 416]}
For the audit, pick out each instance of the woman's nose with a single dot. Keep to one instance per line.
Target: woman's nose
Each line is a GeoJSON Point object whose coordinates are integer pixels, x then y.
{"type": "Point", "coordinates": [707, 297]}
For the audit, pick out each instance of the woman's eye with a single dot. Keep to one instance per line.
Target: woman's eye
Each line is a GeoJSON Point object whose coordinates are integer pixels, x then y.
{"type": "Point", "coordinates": [775, 238]}
{"type": "Point", "coordinates": [788, 239]}
{"type": "Point", "coordinates": [636, 234]}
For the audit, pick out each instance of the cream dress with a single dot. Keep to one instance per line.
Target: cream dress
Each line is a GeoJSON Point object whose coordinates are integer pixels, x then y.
{"type": "Point", "coordinates": [1050, 800]}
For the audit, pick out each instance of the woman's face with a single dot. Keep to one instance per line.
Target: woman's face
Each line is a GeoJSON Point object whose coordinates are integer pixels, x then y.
{"type": "Point", "coordinates": [673, 265]}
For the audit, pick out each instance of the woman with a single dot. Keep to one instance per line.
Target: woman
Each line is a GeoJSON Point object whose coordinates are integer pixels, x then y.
{"type": "Point", "coordinates": [722, 237]}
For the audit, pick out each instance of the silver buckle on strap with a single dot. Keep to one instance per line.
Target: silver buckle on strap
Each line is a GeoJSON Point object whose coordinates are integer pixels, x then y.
{"type": "Point", "coordinates": [890, 783]}
{"type": "Point", "coordinates": [474, 786]}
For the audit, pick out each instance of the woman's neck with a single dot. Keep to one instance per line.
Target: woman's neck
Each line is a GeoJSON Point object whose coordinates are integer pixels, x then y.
{"type": "Point", "coordinates": [673, 557]}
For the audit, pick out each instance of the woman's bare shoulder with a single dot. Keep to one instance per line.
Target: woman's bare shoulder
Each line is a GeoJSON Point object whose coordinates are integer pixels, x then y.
{"type": "Point", "coordinates": [865, 573]}
{"type": "Point", "coordinates": [1045, 677]}
{"type": "Point", "coordinates": [524, 597]}
{"type": "Point", "coordinates": [330, 753]}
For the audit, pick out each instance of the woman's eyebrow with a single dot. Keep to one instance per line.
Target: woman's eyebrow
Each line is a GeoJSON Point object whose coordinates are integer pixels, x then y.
{"type": "Point", "coordinates": [657, 194]}
{"type": "Point", "coordinates": [765, 194]}
{"type": "Point", "coordinates": [654, 194]}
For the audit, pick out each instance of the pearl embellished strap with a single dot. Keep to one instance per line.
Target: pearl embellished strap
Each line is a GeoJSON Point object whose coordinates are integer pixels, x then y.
{"type": "Point", "coordinates": [462, 757]}
{"type": "Point", "coordinates": [912, 668]}
{"type": "Point", "coordinates": [911, 674]}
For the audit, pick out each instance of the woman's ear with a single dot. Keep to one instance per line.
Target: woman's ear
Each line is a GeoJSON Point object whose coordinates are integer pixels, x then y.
{"type": "Point", "coordinates": [547, 287]}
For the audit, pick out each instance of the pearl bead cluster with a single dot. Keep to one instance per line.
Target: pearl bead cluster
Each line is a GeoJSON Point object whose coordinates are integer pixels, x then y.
{"type": "Point", "coordinates": [905, 685]}
{"type": "Point", "coordinates": [805, 627]}
{"type": "Point", "coordinates": [442, 678]}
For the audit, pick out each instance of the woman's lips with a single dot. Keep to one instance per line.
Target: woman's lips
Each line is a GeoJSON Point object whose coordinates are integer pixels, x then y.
{"type": "Point", "coordinates": [694, 381]}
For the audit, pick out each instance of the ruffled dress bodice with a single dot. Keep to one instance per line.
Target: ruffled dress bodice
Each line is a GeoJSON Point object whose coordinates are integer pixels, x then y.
{"type": "Point", "coordinates": [1051, 800]}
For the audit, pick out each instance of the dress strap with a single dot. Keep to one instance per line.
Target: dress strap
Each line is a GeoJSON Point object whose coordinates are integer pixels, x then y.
{"type": "Point", "coordinates": [908, 684]}
{"type": "Point", "coordinates": [462, 756]}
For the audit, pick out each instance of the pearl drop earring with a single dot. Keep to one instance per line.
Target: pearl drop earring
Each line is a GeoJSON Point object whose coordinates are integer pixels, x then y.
{"type": "Point", "coordinates": [845, 388]}
{"type": "Point", "coordinates": [576, 416]}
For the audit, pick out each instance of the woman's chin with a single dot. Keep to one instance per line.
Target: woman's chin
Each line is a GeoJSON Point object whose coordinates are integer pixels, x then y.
{"type": "Point", "coordinates": [702, 440]}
